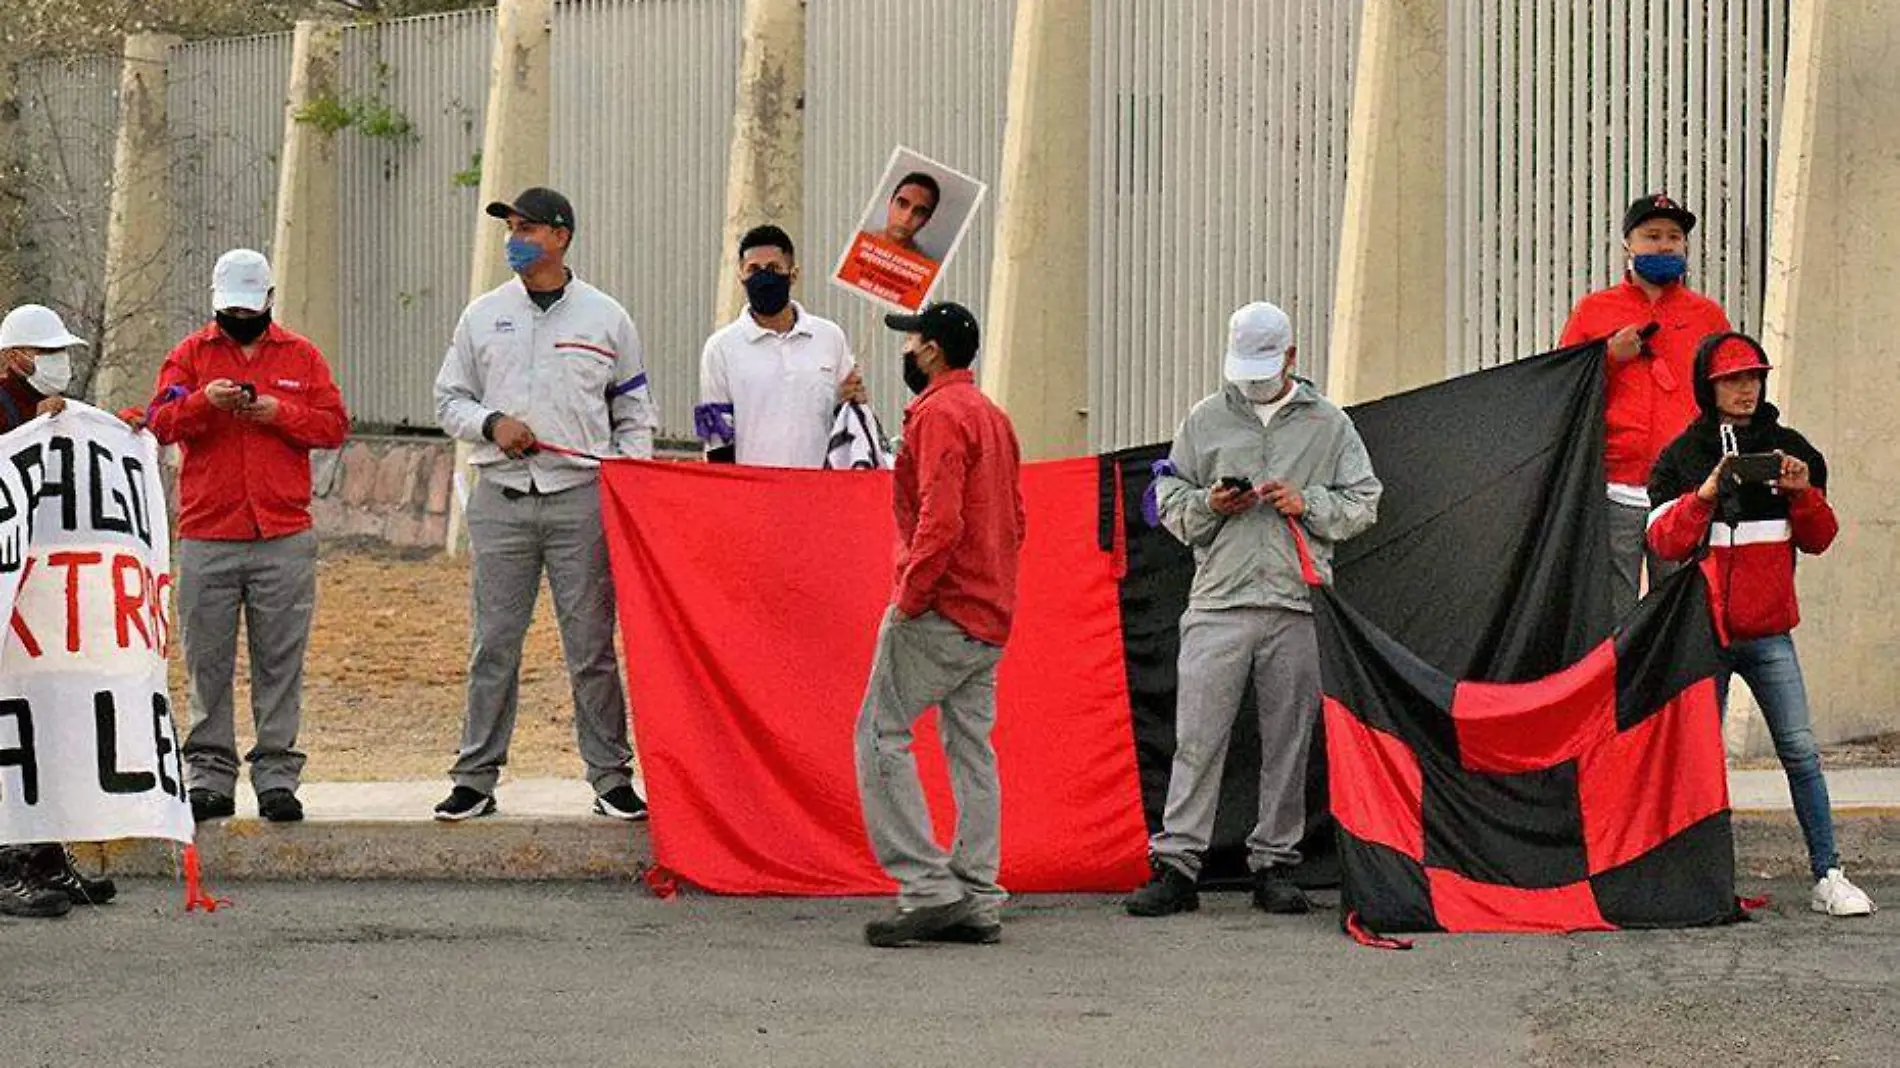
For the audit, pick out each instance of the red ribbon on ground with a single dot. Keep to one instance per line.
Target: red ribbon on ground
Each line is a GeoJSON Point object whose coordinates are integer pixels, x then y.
{"type": "Point", "coordinates": [1365, 936]}
{"type": "Point", "coordinates": [195, 895]}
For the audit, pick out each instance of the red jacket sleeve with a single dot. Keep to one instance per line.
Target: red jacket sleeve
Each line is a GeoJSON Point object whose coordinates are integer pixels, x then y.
{"type": "Point", "coordinates": [942, 466]}
{"type": "Point", "coordinates": [318, 420]}
{"type": "Point", "coordinates": [1813, 521]}
{"type": "Point", "coordinates": [180, 409]}
{"type": "Point", "coordinates": [1676, 529]}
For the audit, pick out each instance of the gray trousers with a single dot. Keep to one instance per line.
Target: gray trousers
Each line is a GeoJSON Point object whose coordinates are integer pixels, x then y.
{"type": "Point", "coordinates": [919, 663]}
{"type": "Point", "coordinates": [1220, 651]}
{"type": "Point", "coordinates": [1629, 553]}
{"type": "Point", "coordinates": [510, 541]}
{"type": "Point", "coordinates": [273, 583]}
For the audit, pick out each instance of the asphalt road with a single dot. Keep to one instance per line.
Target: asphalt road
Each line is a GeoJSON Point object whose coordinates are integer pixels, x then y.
{"type": "Point", "coordinates": [590, 974]}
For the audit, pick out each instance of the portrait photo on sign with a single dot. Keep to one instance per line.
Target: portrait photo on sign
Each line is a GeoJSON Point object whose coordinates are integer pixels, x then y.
{"type": "Point", "coordinates": [917, 216]}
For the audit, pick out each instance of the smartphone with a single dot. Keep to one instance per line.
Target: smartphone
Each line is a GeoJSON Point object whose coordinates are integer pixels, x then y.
{"type": "Point", "coordinates": [1759, 467]}
{"type": "Point", "coordinates": [1236, 483]}
{"type": "Point", "coordinates": [249, 391]}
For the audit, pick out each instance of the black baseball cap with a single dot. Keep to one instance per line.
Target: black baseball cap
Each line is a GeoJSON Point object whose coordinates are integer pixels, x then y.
{"type": "Point", "coordinates": [1654, 206]}
{"type": "Point", "coordinates": [947, 323]}
{"type": "Point", "coordinates": [537, 204]}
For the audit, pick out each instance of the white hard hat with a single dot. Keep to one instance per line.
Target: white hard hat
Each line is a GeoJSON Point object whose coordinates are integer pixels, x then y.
{"type": "Point", "coordinates": [36, 326]}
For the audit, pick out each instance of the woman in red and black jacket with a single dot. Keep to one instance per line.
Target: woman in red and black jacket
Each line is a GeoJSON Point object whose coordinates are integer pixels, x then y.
{"type": "Point", "coordinates": [1746, 535]}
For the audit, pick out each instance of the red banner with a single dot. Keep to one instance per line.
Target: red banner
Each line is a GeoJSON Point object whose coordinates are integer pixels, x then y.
{"type": "Point", "coordinates": [749, 602]}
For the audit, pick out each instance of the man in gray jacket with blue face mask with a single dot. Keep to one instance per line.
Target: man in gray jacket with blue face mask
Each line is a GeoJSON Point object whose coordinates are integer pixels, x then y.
{"type": "Point", "coordinates": [1265, 452]}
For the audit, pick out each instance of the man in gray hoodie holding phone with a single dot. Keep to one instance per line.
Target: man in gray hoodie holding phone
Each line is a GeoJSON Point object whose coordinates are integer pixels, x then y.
{"type": "Point", "coordinates": [1264, 453]}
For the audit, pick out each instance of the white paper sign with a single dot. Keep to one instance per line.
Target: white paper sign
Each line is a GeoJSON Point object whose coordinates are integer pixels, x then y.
{"type": "Point", "coordinates": [88, 749]}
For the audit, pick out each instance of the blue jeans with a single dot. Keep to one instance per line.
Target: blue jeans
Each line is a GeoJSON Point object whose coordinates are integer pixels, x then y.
{"type": "Point", "coordinates": [1773, 674]}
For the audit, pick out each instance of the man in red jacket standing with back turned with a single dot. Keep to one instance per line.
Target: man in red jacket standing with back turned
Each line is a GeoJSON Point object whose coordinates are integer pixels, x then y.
{"type": "Point", "coordinates": [960, 527]}
{"type": "Point", "coordinates": [1653, 323]}
{"type": "Point", "coordinates": [246, 400]}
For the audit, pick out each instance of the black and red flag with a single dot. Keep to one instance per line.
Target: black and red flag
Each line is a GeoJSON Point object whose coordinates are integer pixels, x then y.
{"type": "Point", "coordinates": [1594, 798]}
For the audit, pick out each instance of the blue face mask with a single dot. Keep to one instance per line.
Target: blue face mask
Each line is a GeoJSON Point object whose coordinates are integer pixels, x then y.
{"type": "Point", "coordinates": [522, 254]}
{"type": "Point", "coordinates": [1660, 268]}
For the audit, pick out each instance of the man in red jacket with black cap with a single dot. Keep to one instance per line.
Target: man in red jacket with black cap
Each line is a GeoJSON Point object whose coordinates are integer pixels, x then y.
{"type": "Point", "coordinates": [1746, 525]}
{"type": "Point", "coordinates": [1653, 323]}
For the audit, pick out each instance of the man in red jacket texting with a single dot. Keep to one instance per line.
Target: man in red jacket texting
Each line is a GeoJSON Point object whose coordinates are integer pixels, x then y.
{"type": "Point", "coordinates": [960, 527]}
{"type": "Point", "coordinates": [245, 400]}
{"type": "Point", "coordinates": [1652, 322]}
{"type": "Point", "coordinates": [1708, 492]}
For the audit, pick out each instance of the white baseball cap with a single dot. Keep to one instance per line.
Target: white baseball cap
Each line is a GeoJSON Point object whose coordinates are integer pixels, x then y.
{"type": "Point", "coordinates": [35, 326]}
{"type": "Point", "coordinates": [241, 280]}
{"type": "Point", "coordinates": [1259, 336]}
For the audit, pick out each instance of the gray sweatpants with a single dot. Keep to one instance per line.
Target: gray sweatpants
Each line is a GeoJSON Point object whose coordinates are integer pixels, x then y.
{"type": "Point", "coordinates": [1220, 650]}
{"type": "Point", "coordinates": [273, 583]}
{"type": "Point", "coordinates": [510, 541]}
{"type": "Point", "coordinates": [919, 663]}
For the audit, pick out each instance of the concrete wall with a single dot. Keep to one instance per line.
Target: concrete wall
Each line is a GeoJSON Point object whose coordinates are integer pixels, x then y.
{"type": "Point", "coordinates": [1829, 324]}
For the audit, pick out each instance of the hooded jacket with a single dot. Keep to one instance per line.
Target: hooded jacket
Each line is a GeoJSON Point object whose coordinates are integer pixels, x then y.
{"type": "Point", "coordinates": [1751, 532]}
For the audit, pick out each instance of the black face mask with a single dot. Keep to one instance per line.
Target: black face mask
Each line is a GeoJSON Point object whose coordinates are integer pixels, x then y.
{"type": "Point", "coordinates": [768, 292]}
{"type": "Point", "coordinates": [915, 378]}
{"type": "Point", "coordinates": [243, 329]}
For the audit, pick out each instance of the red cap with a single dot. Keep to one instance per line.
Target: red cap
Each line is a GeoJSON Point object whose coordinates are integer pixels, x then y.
{"type": "Point", "coordinates": [1737, 356]}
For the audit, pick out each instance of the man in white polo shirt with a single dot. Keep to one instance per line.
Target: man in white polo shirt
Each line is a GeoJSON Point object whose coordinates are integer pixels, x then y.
{"type": "Point", "coordinates": [770, 382]}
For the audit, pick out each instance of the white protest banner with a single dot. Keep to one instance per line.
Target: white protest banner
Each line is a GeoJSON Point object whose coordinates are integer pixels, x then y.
{"type": "Point", "coordinates": [88, 750]}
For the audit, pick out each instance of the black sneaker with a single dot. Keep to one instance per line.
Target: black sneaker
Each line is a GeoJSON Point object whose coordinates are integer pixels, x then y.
{"type": "Point", "coordinates": [464, 803]}
{"type": "Point", "coordinates": [53, 869]}
{"type": "Point", "coordinates": [919, 924]}
{"type": "Point", "coordinates": [20, 895]}
{"type": "Point", "coordinates": [1274, 892]}
{"type": "Point", "coordinates": [1167, 893]}
{"type": "Point", "coordinates": [972, 932]}
{"type": "Point", "coordinates": [279, 806]}
{"type": "Point", "coordinates": [621, 803]}
{"type": "Point", "coordinates": [211, 805]}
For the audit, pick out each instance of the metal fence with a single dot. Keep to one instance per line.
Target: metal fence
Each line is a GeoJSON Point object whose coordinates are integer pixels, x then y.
{"type": "Point", "coordinates": [642, 100]}
{"type": "Point", "coordinates": [1217, 175]}
{"type": "Point", "coordinates": [942, 94]}
{"type": "Point", "coordinates": [408, 205]}
{"type": "Point", "coordinates": [1562, 111]}
{"type": "Point", "coordinates": [69, 116]}
{"type": "Point", "coordinates": [224, 104]}
{"type": "Point", "coordinates": [1219, 147]}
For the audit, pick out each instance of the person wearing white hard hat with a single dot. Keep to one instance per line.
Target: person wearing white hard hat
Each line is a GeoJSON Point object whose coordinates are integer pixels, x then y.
{"type": "Point", "coordinates": [36, 361]}
{"type": "Point", "coordinates": [245, 400]}
{"type": "Point", "coordinates": [1264, 451]}
{"type": "Point", "coordinates": [35, 369]}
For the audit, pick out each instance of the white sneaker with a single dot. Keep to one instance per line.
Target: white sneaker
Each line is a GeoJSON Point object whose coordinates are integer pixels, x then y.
{"type": "Point", "coordinates": [1836, 896]}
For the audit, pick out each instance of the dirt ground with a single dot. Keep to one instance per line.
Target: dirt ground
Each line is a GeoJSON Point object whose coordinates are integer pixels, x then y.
{"type": "Point", "coordinates": [388, 656]}
{"type": "Point", "coordinates": [383, 679]}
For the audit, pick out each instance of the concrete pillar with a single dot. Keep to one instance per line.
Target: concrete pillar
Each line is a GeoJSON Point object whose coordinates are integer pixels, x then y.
{"type": "Point", "coordinates": [765, 170]}
{"type": "Point", "coordinates": [1829, 320]}
{"type": "Point", "coordinates": [1389, 297]}
{"type": "Point", "coordinates": [304, 248]}
{"type": "Point", "coordinates": [137, 229]}
{"type": "Point", "coordinates": [1035, 350]}
{"type": "Point", "coordinates": [514, 157]}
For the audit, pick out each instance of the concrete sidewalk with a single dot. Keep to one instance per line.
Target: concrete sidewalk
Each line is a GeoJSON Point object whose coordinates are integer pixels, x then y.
{"type": "Point", "coordinates": [545, 829]}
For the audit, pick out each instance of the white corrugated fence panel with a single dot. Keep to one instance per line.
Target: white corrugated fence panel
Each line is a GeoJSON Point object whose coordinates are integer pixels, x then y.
{"type": "Point", "coordinates": [224, 105]}
{"type": "Point", "coordinates": [1562, 112]}
{"type": "Point", "coordinates": [408, 206]}
{"type": "Point", "coordinates": [643, 95]}
{"type": "Point", "coordinates": [69, 117]}
{"type": "Point", "coordinates": [933, 76]}
{"type": "Point", "coordinates": [1219, 149]}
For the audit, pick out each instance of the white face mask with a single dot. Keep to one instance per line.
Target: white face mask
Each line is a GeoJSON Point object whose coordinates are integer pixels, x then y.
{"type": "Point", "coordinates": [52, 373]}
{"type": "Point", "coordinates": [1262, 390]}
